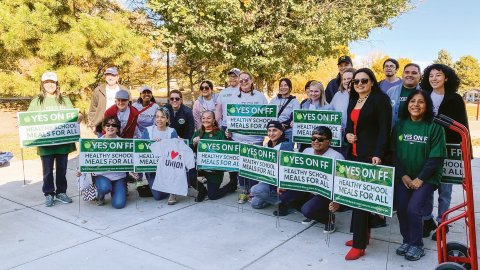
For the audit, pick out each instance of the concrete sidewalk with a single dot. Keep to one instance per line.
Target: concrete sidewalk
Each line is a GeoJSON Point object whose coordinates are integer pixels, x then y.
{"type": "Point", "coordinates": [150, 234]}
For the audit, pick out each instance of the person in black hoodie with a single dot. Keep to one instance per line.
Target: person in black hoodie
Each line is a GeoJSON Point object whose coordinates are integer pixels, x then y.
{"type": "Point", "coordinates": [442, 83]}
{"type": "Point", "coordinates": [344, 62]}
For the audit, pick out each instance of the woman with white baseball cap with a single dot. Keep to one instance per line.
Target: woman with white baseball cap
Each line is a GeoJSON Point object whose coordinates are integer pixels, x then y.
{"type": "Point", "coordinates": [50, 99]}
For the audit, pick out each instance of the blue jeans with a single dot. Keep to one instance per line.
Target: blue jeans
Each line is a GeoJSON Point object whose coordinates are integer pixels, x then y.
{"type": "Point", "coordinates": [157, 195]}
{"type": "Point", "coordinates": [317, 209]}
{"type": "Point", "coordinates": [444, 199]}
{"type": "Point", "coordinates": [289, 134]}
{"type": "Point", "coordinates": [117, 188]}
{"type": "Point", "coordinates": [412, 205]}
{"type": "Point", "coordinates": [61, 161]}
{"type": "Point", "coordinates": [263, 195]}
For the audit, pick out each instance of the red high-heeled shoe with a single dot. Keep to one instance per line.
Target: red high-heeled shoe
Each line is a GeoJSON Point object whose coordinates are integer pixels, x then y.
{"type": "Point", "coordinates": [349, 243]}
{"type": "Point", "coordinates": [354, 254]}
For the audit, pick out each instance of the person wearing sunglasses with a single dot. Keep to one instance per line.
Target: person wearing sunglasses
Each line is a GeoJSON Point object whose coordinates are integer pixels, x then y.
{"type": "Point", "coordinates": [207, 101]}
{"type": "Point", "coordinates": [246, 95]}
{"type": "Point", "coordinates": [314, 207]}
{"type": "Point", "coordinates": [103, 97]}
{"type": "Point", "coordinates": [126, 113]}
{"type": "Point", "coordinates": [286, 103]}
{"type": "Point", "coordinates": [111, 182]}
{"type": "Point", "coordinates": [181, 117]}
{"type": "Point", "coordinates": [369, 117]}
{"type": "Point", "coordinates": [264, 194]}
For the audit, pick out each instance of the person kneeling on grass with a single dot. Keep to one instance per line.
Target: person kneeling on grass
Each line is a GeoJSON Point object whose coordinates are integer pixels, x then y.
{"type": "Point", "coordinates": [264, 194]}
{"type": "Point", "coordinates": [111, 182]}
{"type": "Point", "coordinates": [314, 207]}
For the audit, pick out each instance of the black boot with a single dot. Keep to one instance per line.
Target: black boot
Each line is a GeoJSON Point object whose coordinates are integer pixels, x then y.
{"type": "Point", "coordinates": [202, 192]}
{"type": "Point", "coordinates": [428, 226]}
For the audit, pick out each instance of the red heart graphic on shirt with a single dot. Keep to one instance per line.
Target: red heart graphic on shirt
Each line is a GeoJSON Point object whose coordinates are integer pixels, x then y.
{"type": "Point", "coordinates": [173, 154]}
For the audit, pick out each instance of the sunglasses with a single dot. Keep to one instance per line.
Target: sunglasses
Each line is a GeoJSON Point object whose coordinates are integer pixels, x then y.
{"type": "Point", "coordinates": [204, 88]}
{"type": "Point", "coordinates": [318, 139]}
{"type": "Point", "coordinates": [363, 81]}
{"type": "Point", "coordinates": [175, 99]}
{"type": "Point", "coordinates": [111, 125]}
{"type": "Point", "coordinates": [244, 80]}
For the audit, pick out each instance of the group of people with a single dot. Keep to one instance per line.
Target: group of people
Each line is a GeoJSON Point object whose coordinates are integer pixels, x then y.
{"type": "Point", "coordinates": [383, 123]}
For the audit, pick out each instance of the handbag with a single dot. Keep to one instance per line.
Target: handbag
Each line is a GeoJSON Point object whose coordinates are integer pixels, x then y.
{"type": "Point", "coordinates": [89, 193]}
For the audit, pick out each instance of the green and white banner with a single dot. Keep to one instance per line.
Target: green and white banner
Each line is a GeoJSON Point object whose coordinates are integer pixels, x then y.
{"type": "Point", "coordinates": [218, 155]}
{"type": "Point", "coordinates": [364, 186]}
{"type": "Point", "coordinates": [259, 163]}
{"type": "Point", "coordinates": [304, 121]}
{"type": "Point", "coordinates": [304, 172]}
{"type": "Point", "coordinates": [42, 128]}
{"type": "Point", "coordinates": [453, 165]}
{"type": "Point", "coordinates": [143, 158]}
{"type": "Point", "coordinates": [249, 119]}
{"type": "Point", "coordinates": [106, 155]}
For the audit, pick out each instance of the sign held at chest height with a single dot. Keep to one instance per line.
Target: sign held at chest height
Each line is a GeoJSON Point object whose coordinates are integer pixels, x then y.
{"type": "Point", "coordinates": [259, 163]}
{"type": "Point", "coordinates": [218, 155]}
{"type": "Point", "coordinates": [249, 119]}
{"type": "Point", "coordinates": [106, 155]}
{"type": "Point", "coordinates": [304, 121]}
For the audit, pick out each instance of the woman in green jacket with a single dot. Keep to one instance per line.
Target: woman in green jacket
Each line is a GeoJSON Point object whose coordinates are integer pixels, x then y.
{"type": "Point", "coordinates": [50, 99]}
{"type": "Point", "coordinates": [210, 130]}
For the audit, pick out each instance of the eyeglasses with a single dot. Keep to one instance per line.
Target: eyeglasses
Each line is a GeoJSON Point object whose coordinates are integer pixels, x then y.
{"type": "Point", "coordinates": [244, 80]}
{"type": "Point", "coordinates": [318, 139]}
{"type": "Point", "coordinates": [175, 99]}
{"type": "Point", "coordinates": [363, 81]}
{"type": "Point", "coordinates": [204, 88]}
{"type": "Point", "coordinates": [111, 125]}
{"type": "Point", "coordinates": [390, 66]}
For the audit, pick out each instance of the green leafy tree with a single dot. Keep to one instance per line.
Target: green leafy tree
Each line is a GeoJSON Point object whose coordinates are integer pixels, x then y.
{"type": "Point", "coordinates": [77, 39]}
{"type": "Point", "coordinates": [468, 69]}
{"type": "Point", "coordinates": [268, 38]}
{"type": "Point", "coordinates": [444, 58]}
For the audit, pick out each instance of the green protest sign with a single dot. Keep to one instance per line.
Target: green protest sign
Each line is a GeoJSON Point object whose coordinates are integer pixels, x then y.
{"type": "Point", "coordinates": [364, 186]}
{"type": "Point", "coordinates": [453, 165]}
{"type": "Point", "coordinates": [106, 155]}
{"type": "Point", "coordinates": [304, 172]}
{"type": "Point", "coordinates": [259, 163]}
{"type": "Point", "coordinates": [143, 158]}
{"type": "Point", "coordinates": [42, 128]}
{"type": "Point", "coordinates": [304, 121]}
{"type": "Point", "coordinates": [250, 119]}
{"type": "Point", "coordinates": [218, 155]}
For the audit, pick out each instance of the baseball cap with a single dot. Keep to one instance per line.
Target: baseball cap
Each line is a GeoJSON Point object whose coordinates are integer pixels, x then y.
{"type": "Point", "coordinates": [344, 58]}
{"type": "Point", "coordinates": [122, 94]}
{"type": "Point", "coordinates": [275, 124]}
{"type": "Point", "coordinates": [235, 71]}
{"type": "Point", "coordinates": [143, 88]}
{"type": "Point", "coordinates": [322, 130]}
{"type": "Point", "coordinates": [49, 76]}
{"type": "Point", "coordinates": [111, 70]}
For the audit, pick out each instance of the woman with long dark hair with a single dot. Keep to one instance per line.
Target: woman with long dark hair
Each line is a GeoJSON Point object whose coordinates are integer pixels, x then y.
{"type": "Point", "coordinates": [51, 99]}
{"type": "Point", "coordinates": [442, 83]}
{"type": "Point", "coordinates": [147, 108]}
{"type": "Point", "coordinates": [286, 103]}
{"type": "Point", "coordinates": [368, 128]}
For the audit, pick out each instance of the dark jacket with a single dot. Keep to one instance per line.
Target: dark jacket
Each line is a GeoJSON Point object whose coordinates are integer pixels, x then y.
{"type": "Point", "coordinates": [332, 88]}
{"type": "Point", "coordinates": [182, 121]}
{"type": "Point", "coordinates": [453, 106]}
{"type": "Point", "coordinates": [129, 130]}
{"type": "Point", "coordinates": [373, 127]}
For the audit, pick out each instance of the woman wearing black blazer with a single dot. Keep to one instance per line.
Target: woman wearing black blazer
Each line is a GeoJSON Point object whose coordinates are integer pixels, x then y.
{"type": "Point", "coordinates": [367, 132]}
{"type": "Point", "coordinates": [442, 83]}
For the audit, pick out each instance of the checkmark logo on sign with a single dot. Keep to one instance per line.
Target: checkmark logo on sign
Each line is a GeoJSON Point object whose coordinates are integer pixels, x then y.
{"type": "Point", "coordinates": [173, 154]}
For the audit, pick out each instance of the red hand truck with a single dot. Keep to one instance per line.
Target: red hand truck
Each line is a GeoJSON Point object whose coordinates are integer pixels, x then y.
{"type": "Point", "coordinates": [454, 255]}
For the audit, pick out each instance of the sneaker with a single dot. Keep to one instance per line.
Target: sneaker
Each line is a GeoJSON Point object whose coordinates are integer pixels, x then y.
{"type": "Point", "coordinates": [308, 221]}
{"type": "Point", "coordinates": [62, 197]}
{"type": "Point", "coordinates": [414, 253]}
{"type": "Point", "coordinates": [242, 198]}
{"type": "Point", "coordinates": [172, 199]}
{"type": "Point", "coordinates": [402, 249]}
{"type": "Point", "coordinates": [434, 235]}
{"type": "Point", "coordinates": [329, 227]}
{"type": "Point", "coordinates": [429, 226]}
{"type": "Point", "coordinates": [49, 201]}
{"type": "Point", "coordinates": [100, 202]}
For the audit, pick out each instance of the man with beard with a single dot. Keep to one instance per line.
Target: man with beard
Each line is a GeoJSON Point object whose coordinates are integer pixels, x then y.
{"type": "Point", "coordinates": [390, 68]}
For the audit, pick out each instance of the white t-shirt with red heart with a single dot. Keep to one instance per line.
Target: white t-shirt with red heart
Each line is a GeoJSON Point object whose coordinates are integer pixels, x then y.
{"type": "Point", "coordinates": [175, 159]}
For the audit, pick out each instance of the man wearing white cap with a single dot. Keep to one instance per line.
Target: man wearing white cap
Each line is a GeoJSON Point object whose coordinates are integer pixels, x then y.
{"type": "Point", "coordinates": [103, 97]}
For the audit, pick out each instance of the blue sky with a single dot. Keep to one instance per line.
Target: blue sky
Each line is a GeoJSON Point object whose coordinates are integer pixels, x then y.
{"type": "Point", "coordinates": [420, 33]}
